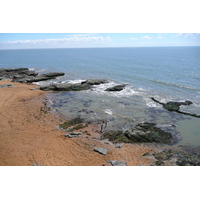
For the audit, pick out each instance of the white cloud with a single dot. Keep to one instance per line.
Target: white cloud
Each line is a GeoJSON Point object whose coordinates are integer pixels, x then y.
{"type": "Point", "coordinates": [160, 37]}
{"type": "Point", "coordinates": [74, 39]}
{"type": "Point", "coordinates": [134, 38]}
{"type": "Point", "coordinates": [146, 37]}
{"type": "Point", "coordinates": [193, 35]}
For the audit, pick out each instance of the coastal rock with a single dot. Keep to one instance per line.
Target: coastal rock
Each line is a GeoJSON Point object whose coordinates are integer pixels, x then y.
{"type": "Point", "coordinates": [142, 133]}
{"type": "Point", "coordinates": [20, 72]}
{"type": "Point", "coordinates": [85, 85]}
{"type": "Point", "coordinates": [42, 77]}
{"type": "Point", "coordinates": [7, 85]}
{"type": "Point", "coordinates": [24, 75]}
{"type": "Point", "coordinates": [116, 88]}
{"type": "Point", "coordinates": [175, 106]}
{"type": "Point", "coordinates": [94, 81]}
{"type": "Point", "coordinates": [101, 150]}
{"type": "Point", "coordinates": [117, 163]}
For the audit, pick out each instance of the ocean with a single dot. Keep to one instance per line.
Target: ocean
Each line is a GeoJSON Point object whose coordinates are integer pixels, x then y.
{"type": "Point", "coordinates": [165, 73]}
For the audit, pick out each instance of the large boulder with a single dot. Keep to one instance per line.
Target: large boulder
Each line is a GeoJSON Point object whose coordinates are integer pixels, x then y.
{"type": "Point", "coordinates": [116, 88]}
{"type": "Point", "coordinates": [94, 81]}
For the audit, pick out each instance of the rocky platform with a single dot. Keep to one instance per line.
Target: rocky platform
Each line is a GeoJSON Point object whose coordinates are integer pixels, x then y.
{"type": "Point", "coordinates": [24, 75]}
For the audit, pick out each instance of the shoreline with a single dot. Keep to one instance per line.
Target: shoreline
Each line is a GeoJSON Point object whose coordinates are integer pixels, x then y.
{"type": "Point", "coordinates": [29, 135]}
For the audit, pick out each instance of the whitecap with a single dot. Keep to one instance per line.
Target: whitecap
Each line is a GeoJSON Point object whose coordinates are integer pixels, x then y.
{"type": "Point", "coordinates": [108, 111]}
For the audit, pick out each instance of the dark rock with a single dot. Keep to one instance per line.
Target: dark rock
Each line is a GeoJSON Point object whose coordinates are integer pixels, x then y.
{"type": "Point", "coordinates": [71, 122]}
{"type": "Point", "coordinates": [117, 163]}
{"type": "Point", "coordinates": [7, 85]}
{"type": "Point", "coordinates": [142, 133]}
{"type": "Point", "coordinates": [94, 81]}
{"type": "Point", "coordinates": [101, 150]}
{"type": "Point", "coordinates": [116, 88]}
{"type": "Point", "coordinates": [175, 106]}
{"type": "Point", "coordinates": [42, 77]}
{"type": "Point", "coordinates": [9, 73]}
{"type": "Point", "coordinates": [85, 85]}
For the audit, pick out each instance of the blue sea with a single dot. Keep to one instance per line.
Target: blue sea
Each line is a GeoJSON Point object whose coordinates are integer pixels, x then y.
{"type": "Point", "coordinates": [165, 73]}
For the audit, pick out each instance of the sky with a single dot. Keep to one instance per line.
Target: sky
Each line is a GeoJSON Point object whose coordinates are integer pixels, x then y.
{"type": "Point", "coordinates": [95, 40]}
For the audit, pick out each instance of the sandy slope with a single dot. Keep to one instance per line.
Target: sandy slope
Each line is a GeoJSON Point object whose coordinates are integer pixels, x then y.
{"type": "Point", "coordinates": [28, 135]}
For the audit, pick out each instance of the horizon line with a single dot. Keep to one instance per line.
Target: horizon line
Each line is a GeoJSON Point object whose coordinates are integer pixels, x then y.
{"type": "Point", "coordinates": [100, 47]}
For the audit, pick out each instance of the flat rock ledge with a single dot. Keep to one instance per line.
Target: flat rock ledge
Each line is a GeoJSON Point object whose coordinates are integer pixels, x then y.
{"type": "Point", "coordinates": [24, 75]}
{"type": "Point", "coordinates": [85, 85]}
{"type": "Point", "coordinates": [117, 163]}
{"type": "Point", "coordinates": [101, 150]}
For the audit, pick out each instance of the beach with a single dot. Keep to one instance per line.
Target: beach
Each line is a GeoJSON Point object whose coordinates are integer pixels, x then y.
{"type": "Point", "coordinates": [29, 136]}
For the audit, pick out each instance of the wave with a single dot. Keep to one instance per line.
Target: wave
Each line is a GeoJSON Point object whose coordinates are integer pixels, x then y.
{"type": "Point", "coordinates": [175, 85]}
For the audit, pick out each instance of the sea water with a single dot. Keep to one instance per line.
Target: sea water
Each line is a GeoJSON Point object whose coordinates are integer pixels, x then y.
{"type": "Point", "coordinates": [165, 73]}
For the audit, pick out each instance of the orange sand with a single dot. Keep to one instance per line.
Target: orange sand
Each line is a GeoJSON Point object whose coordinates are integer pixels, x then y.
{"type": "Point", "coordinates": [28, 135]}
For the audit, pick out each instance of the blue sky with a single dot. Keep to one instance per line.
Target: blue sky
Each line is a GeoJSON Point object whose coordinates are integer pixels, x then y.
{"type": "Point", "coordinates": [86, 40]}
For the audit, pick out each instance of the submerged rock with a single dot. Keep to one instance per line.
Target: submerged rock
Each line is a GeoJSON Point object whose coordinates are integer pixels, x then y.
{"type": "Point", "coordinates": [175, 106]}
{"type": "Point", "coordinates": [101, 150]}
{"type": "Point", "coordinates": [116, 88]}
{"type": "Point", "coordinates": [142, 133]}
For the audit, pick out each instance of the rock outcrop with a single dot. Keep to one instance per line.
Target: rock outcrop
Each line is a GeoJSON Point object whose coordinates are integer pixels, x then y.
{"type": "Point", "coordinates": [142, 133]}
{"type": "Point", "coordinates": [42, 77]}
{"type": "Point", "coordinates": [116, 88]}
{"type": "Point", "coordinates": [24, 75]}
{"type": "Point", "coordinates": [85, 85]}
{"type": "Point", "coordinates": [175, 106]}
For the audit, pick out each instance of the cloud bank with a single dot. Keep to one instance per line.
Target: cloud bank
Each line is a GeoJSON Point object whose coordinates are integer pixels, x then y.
{"type": "Point", "coordinates": [62, 40]}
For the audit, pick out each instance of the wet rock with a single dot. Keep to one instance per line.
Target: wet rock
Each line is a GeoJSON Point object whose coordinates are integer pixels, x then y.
{"type": "Point", "coordinates": [142, 133]}
{"type": "Point", "coordinates": [71, 122]}
{"type": "Point", "coordinates": [73, 134]}
{"type": "Point", "coordinates": [94, 81]}
{"type": "Point", "coordinates": [117, 163]}
{"type": "Point", "coordinates": [85, 85]}
{"type": "Point", "coordinates": [101, 150]}
{"type": "Point", "coordinates": [6, 85]}
{"type": "Point", "coordinates": [116, 88]}
{"type": "Point", "coordinates": [175, 106]}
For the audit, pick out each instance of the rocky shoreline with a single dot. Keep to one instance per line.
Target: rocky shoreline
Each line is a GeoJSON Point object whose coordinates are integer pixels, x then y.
{"type": "Point", "coordinates": [142, 133]}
